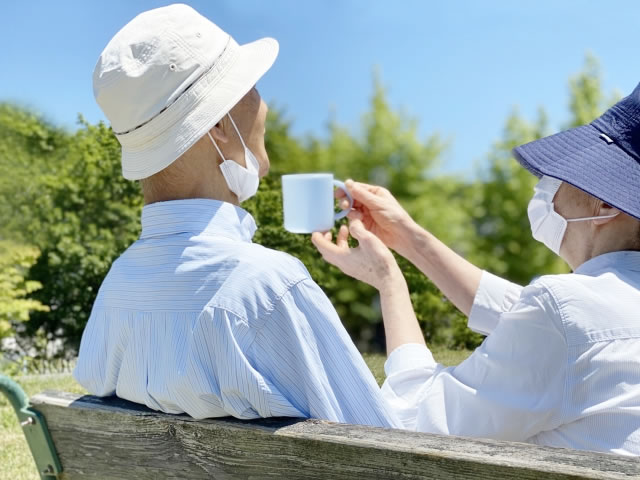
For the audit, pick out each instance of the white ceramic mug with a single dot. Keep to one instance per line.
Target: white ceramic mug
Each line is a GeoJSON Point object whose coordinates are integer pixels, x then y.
{"type": "Point", "coordinates": [309, 203]}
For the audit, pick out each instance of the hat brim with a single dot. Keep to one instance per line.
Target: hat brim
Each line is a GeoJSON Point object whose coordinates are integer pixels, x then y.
{"type": "Point", "coordinates": [216, 94]}
{"type": "Point", "coordinates": [583, 158]}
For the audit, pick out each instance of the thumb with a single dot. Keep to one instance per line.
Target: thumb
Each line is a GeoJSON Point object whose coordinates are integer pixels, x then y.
{"type": "Point", "coordinates": [358, 230]}
{"type": "Point", "coordinates": [363, 195]}
{"type": "Point", "coordinates": [325, 246]}
{"type": "Point", "coordinates": [319, 240]}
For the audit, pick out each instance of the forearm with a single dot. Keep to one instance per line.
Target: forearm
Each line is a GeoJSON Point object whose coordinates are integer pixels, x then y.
{"type": "Point", "coordinates": [400, 322]}
{"type": "Point", "coordinates": [457, 278]}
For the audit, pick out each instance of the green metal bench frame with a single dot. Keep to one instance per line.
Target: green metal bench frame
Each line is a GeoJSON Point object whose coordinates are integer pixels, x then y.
{"type": "Point", "coordinates": [35, 430]}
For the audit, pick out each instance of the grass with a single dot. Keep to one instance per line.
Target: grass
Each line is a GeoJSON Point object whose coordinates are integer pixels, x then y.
{"type": "Point", "coordinates": [441, 354]}
{"type": "Point", "coordinates": [16, 462]}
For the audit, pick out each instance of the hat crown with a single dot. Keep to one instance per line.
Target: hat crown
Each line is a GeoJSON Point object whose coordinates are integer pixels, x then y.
{"type": "Point", "coordinates": [621, 122]}
{"type": "Point", "coordinates": [151, 61]}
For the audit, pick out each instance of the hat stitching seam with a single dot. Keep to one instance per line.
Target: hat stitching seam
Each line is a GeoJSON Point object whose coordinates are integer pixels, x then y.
{"type": "Point", "coordinates": [194, 103]}
{"type": "Point", "coordinates": [186, 143]}
{"type": "Point", "coordinates": [196, 55]}
{"type": "Point", "coordinates": [183, 98]}
{"type": "Point", "coordinates": [621, 124]}
{"type": "Point", "coordinates": [181, 43]}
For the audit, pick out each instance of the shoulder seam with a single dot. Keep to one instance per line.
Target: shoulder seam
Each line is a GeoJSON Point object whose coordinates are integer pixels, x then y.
{"type": "Point", "coordinates": [549, 288]}
{"type": "Point", "coordinates": [272, 301]}
{"type": "Point", "coordinates": [287, 289]}
{"type": "Point", "coordinates": [276, 300]}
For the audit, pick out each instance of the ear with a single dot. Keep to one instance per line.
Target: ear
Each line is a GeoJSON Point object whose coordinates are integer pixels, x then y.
{"type": "Point", "coordinates": [603, 211]}
{"type": "Point", "coordinates": [218, 133]}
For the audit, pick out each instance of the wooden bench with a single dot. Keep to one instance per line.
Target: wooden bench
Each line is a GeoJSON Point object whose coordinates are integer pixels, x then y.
{"type": "Point", "coordinates": [112, 438]}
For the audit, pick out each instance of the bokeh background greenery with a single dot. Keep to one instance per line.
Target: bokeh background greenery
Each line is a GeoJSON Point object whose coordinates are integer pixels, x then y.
{"type": "Point", "coordinates": [66, 212]}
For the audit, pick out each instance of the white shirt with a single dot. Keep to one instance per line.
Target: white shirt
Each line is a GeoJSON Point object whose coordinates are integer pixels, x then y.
{"type": "Point", "coordinates": [560, 365]}
{"type": "Point", "coordinates": [195, 318]}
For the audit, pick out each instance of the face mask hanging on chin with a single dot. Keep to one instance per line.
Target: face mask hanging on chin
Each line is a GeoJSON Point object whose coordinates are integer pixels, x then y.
{"type": "Point", "coordinates": [548, 226]}
{"type": "Point", "coordinates": [243, 181]}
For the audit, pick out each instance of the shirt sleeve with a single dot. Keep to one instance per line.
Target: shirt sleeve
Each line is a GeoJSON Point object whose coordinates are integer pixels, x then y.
{"type": "Point", "coordinates": [511, 388]}
{"type": "Point", "coordinates": [307, 354]}
{"type": "Point", "coordinates": [494, 296]}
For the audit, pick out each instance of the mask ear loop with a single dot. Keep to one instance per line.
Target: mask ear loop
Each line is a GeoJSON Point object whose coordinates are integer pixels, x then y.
{"type": "Point", "coordinates": [237, 131]}
{"type": "Point", "coordinates": [217, 148]}
{"type": "Point", "coordinates": [592, 218]}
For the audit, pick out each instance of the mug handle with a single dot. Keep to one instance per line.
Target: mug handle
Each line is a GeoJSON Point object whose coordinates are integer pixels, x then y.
{"type": "Point", "coordinates": [343, 213]}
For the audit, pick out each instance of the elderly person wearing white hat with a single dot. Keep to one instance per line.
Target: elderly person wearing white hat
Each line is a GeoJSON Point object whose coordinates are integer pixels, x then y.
{"type": "Point", "coordinates": [194, 317]}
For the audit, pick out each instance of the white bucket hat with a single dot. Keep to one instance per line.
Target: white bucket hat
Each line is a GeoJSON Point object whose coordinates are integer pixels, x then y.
{"type": "Point", "coordinates": [166, 78]}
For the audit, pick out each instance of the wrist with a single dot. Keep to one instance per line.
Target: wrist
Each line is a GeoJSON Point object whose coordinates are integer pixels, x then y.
{"type": "Point", "coordinates": [414, 237]}
{"type": "Point", "coordinates": [391, 280]}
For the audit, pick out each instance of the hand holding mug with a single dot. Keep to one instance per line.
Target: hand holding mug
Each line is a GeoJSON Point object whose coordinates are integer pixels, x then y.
{"type": "Point", "coordinates": [370, 262]}
{"type": "Point", "coordinates": [381, 214]}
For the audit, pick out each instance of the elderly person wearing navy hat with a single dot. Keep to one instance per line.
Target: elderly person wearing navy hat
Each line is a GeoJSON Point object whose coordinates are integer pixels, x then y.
{"type": "Point", "coordinates": [561, 362]}
{"type": "Point", "coordinates": [194, 317]}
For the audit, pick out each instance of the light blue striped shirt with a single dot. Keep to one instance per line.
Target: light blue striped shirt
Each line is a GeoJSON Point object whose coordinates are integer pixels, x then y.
{"type": "Point", "coordinates": [196, 318]}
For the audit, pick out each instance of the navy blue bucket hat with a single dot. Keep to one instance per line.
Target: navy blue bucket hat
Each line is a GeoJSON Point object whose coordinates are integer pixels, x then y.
{"type": "Point", "coordinates": [601, 158]}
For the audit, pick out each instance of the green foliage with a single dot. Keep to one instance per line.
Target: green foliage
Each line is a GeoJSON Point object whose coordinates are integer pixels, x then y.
{"type": "Point", "coordinates": [386, 151]}
{"type": "Point", "coordinates": [498, 205]}
{"type": "Point", "coordinates": [15, 307]}
{"type": "Point", "coordinates": [68, 198]}
{"type": "Point", "coordinates": [26, 143]}
{"type": "Point", "coordinates": [63, 193]}
{"type": "Point", "coordinates": [353, 300]}
{"type": "Point", "coordinates": [587, 100]}
{"type": "Point", "coordinates": [84, 217]}
{"type": "Point", "coordinates": [499, 210]}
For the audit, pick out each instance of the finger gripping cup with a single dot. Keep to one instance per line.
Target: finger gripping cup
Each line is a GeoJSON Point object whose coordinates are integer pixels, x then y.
{"type": "Point", "coordinates": [345, 212]}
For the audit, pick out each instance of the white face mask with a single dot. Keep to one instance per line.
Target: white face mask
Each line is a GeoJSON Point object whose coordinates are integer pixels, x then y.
{"type": "Point", "coordinates": [548, 226]}
{"type": "Point", "coordinates": [240, 180]}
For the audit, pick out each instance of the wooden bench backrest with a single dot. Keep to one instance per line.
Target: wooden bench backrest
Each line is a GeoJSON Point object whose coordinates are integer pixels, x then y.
{"type": "Point", "coordinates": [112, 438]}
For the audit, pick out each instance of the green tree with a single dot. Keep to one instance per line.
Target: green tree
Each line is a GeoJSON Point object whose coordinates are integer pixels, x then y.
{"type": "Point", "coordinates": [385, 150]}
{"type": "Point", "coordinates": [84, 217]}
{"type": "Point", "coordinates": [503, 243]}
{"type": "Point", "coordinates": [499, 212]}
{"type": "Point", "coordinates": [15, 306]}
{"type": "Point", "coordinates": [27, 145]}
{"type": "Point", "coordinates": [64, 194]}
{"type": "Point", "coordinates": [587, 100]}
{"type": "Point", "coordinates": [67, 196]}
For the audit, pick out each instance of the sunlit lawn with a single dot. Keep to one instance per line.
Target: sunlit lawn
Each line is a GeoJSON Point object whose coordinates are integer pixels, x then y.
{"type": "Point", "coordinates": [16, 462]}
{"type": "Point", "coordinates": [442, 355]}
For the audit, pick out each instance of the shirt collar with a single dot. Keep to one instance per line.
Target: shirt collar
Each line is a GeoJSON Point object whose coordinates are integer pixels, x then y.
{"type": "Point", "coordinates": [200, 216]}
{"type": "Point", "coordinates": [623, 260]}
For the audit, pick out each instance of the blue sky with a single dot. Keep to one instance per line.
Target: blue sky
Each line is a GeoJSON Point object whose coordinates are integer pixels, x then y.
{"type": "Point", "coordinates": [458, 67]}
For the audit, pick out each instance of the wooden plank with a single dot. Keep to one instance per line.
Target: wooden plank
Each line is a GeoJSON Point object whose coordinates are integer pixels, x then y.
{"type": "Point", "coordinates": [113, 438]}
